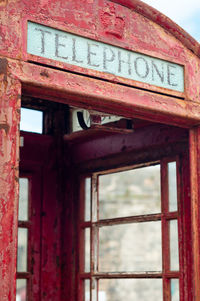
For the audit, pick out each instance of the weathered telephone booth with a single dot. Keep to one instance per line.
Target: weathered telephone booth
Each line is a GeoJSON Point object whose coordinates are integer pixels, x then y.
{"type": "Point", "coordinates": [117, 86]}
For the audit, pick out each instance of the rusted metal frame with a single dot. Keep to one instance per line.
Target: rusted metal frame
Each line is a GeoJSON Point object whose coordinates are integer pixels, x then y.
{"type": "Point", "coordinates": [144, 275]}
{"type": "Point", "coordinates": [126, 275]}
{"type": "Point", "coordinates": [135, 219]}
{"type": "Point", "coordinates": [194, 142]}
{"type": "Point", "coordinates": [165, 231]}
{"type": "Point", "coordinates": [186, 260]}
{"type": "Point", "coordinates": [94, 239]}
{"type": "Point", "coordinates": [81, 231]}
{"type": "Point", "coordinates": [31, 259]}
{"type": "Point", "coordinates": [24, 224]}
{"type": "Point", "coordinates": [178, 213]}
{"type": "Point", "coordinates": [167, 217]}
{"type": "Point", "coordinates": [34, 173]}
{"type": "Point", "coordinates": [83, 225]}
{"type": "Point", "coordinates": [180, 224]}
{"type": "Point", "coordinates": [129, 220]}
{"type": "Point", "coordinates": [27, 225]}
{"type": "Point", "coordinates": [23, 275]}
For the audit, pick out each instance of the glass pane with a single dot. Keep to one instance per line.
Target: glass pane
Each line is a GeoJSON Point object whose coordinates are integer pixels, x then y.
{"type": "Point", "coordinates": [22, 250]}
{"type": "Point", "coordinates": [174, 251]}
{"type": "Point", "coordinates": [21, 290]}
{"type": "Point", "coordinates": [130, 247]}
{"type": "Point", "coordinates": [130, 290]}
{"type": "Point", "coordinates": [31, 121]}
{"type": "Point", "coordinates": [172, 186]}
{"type": "Point", "coordinates": [87, 250]}
{"type": "Point", "coordinates": [175, 290]}
{"type": "Point", "coordinates": [23, 199]}
{"type": "Point", "coordinates": [87, 290]}
{"type": "Point", "coordinates": [87, 198]}
{"type": "Point", "coordinates": [132, 192]}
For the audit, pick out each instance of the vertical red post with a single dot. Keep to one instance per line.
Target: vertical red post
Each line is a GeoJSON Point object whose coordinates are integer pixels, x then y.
{"type": "Point", "coordinates": [10, 90]}
{"type": "Point", "coordinates": [195, 207]}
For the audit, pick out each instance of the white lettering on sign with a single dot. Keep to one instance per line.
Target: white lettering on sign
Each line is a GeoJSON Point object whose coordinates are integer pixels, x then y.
{"type": "Point", "coordinates": [79, 51]}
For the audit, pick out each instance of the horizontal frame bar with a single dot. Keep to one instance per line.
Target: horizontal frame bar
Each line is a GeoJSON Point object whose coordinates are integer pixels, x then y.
{"type": "Point", "coordinates": [24, 224]}
{"type": "Point", "coordinates": [23, 275]}
{"type": "Point", "coordinates": [131, 275]}
{"type": "Point", "coordinates": [131, 219]}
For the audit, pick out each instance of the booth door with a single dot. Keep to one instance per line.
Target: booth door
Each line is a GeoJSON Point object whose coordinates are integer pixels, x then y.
{"type": "Point", "coordinates": [134, 233]}
{"type": "Point", "coordinates": [29, 234]}
{"type": "Point", "coordinates": [104, 228]}
{"type": "Point", "coordinates": [38, 222]}
{"type": "Point", "coordinates": [134, 222]}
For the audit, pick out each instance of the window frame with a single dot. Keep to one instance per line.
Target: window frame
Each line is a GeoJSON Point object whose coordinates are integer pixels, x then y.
{"type": "Point", "coordinates": [33, 173]}
{"type": "Point", "coordinates": [26, 225]}
{"type": "Point", "coordinates": [165, 217]}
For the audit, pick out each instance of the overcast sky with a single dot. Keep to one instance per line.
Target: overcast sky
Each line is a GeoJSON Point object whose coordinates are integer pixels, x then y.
{"type": "Point", "coordinates": [185, 13]}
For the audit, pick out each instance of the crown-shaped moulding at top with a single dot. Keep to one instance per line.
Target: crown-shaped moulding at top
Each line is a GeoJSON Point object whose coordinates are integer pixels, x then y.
{"type": "Point", "coordinates": [113, 19]}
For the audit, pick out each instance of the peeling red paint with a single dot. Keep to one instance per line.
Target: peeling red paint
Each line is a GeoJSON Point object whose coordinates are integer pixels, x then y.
{"type": "Point", "coordinates": [129, 24]}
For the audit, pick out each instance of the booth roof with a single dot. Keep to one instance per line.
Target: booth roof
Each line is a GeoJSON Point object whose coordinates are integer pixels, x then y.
{"type": "Point", "coordinates": [162, 20]}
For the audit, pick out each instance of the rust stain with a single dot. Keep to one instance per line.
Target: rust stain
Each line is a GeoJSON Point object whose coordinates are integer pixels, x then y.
{"type": "Point", "coordinates": [3, 68]}
{"type": "Point", "coordinates": [3, 2]}
{"type": "Point", "coordinates": [5, 127]}
{"type": "Point", "coordinates": [44, 73]}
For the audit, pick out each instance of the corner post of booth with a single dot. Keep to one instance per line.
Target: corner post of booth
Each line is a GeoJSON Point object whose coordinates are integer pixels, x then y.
{"type": "Point", "coordinates": [10, 91]}
{"type": "Point", "coordinates": [195, 206]}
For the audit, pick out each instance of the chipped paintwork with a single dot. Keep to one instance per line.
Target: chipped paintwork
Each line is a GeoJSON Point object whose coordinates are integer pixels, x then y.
{"type": "Point", "coordinates": [9, 146]}
{"type": "Point", "coordinates": [138, 29]}
{"type": "Point", "coordinates": [129, 24]}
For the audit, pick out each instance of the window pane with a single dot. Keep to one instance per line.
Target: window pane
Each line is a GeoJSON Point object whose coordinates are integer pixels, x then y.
{"type": "Point", "coordinates": [172, 186]}
{"type": "Point", "coordinates": [31, 121]}
{"type": "Point", "coordinates": [87, 250]}
{"type": "Point", "coordinates": [87, 290]}
{"type": "Point", "coordinates": [174, 252]}
{"type": "Point", "coordinates": [130, 290]}
{"type": "Point", "coordinates": [21, 290]}
{"type": "Point", "coordinates": [132, 192]}
{"type": "Point", "coordinates": [87, 198]}
{"type": "Point", "coordinates": [175, 290]}
{"type": "Point", "coordinates": [22, 250]}
{"type": "Point", "coordinates": [23, 199]}
{"type": "Point", "coordinates": [130, 247]}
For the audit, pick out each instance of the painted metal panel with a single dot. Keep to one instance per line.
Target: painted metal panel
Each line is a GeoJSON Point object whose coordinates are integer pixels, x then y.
{"type": "Point", "coordinates": [79, 51]}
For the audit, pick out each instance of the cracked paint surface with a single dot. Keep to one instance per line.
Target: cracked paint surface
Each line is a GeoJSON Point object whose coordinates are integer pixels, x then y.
{"type": "Point", "coordinates": [129, 24]}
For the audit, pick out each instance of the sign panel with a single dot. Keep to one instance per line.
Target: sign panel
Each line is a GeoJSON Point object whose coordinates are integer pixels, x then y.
{"type": "Point", "coordinates": [65, 47]}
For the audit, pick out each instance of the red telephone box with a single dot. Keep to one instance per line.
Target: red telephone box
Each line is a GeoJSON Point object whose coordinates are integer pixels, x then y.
{"type": "Point", "coordinates": [103, 204]}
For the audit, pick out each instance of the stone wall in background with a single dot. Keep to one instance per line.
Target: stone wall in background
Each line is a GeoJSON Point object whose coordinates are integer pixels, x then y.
{"type": "Point", "coordinates": [130, 247]}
